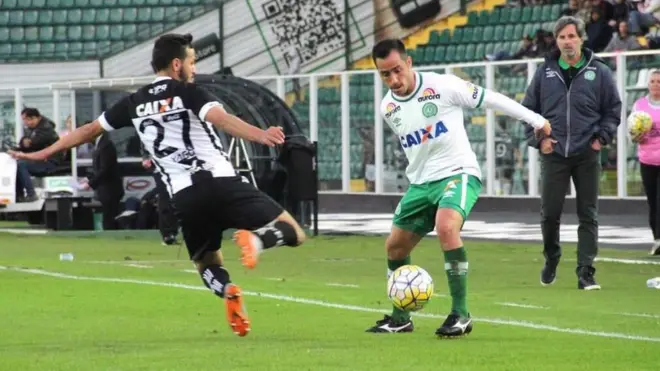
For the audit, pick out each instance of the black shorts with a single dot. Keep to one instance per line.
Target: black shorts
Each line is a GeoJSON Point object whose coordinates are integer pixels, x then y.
{"type": "Point", "coordinates": [206, 209]}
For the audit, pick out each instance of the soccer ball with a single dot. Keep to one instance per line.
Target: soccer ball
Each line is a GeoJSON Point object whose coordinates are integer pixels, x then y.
{"type": "Point", "coordinates": [410, 287]}
{"type": "Point", "coordinates": [639, 123]}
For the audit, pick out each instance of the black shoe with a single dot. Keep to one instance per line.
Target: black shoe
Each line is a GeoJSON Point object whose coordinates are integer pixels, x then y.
{"type": "Point", "coordinates": [387, 324]}
{"type": "Point", "coordinates": [455, 326]}
{"type": "Point", "coordinates": [548, 274]}
{"type": "Point", "coordinates": [586, 279]}
{"type": "Point", "coordinates": [170, 240]}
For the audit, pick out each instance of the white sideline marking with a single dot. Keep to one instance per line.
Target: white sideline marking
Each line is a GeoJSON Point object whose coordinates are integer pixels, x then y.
{"type": "Point", "coordinates": [497, 321]}
{"type": "Point", "coordinates": [644, 315]}
{"type": "Point", "coordinates": [517, 305]}
{"type": "Point", "coordinates": [189, 271]}
{"type": "Point", "coordinates": [342, 285]}
{"type": "Point", "coordinates": [629, 261]}
{"type": "Point", "coordinates": [138, 266]}
{"type": "Point", "coordinates": [134, 261]}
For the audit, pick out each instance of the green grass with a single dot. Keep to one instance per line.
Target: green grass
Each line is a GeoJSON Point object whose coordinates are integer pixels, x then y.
{"type": "Point", "coordinates": [57, 323]}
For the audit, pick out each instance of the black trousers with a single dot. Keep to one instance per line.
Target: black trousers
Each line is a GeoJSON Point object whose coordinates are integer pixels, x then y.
{"type": "Point", "coordinates": [110, 208]}
{"type": "Point", "coordinates": [556, 174]}
{"type": "Point", "coordinates": [168, 224]}
{"type": "Point", "coordinates": [651, 182]}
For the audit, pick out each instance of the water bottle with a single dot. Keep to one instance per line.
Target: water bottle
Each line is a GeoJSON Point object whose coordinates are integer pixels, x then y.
{"type": "Point", "coordinates": [66, 257]}
{"type": "Point", "coordinates": [653, 283]}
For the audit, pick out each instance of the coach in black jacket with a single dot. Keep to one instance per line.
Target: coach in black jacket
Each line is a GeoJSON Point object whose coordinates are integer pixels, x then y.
{"type": "Point", "coordinates": [576, 92]}
{"type": "Point", "coordinates": [106, 180]}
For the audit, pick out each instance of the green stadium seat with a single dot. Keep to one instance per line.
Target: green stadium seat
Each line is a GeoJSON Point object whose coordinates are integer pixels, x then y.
{"type": "Point", "coordinates": [4, 34]}
{"type": "Point", "coordinates": [46, 34]}
{"type": "Point", "coordinates": [4, 18]}
{"type": "Point", "coordinates": [470, 53]}
{"type": "Point", "coordinates": [81, 4]}
{"type": "Point", "coordinates": [59, 17]}
{"type": "Point", "coordinates": [537, 12]}
{"type": "Point", "coordinates": [74, 16]}
{"type": "Point", "coordinates": [19, 49]}
{"type": "Point", "coordinates": [483, 17]}
{"type": "Point", "coordinates": [67, 3]}
{"type": "Point", "coordinates": [10, 4]}
{"type": "Point", "coordinates": [124, 3]}
{"type": "Point", "coordinates": [450, 52]}
{"type": "Point", "coordinates": [515, 15]}
{"type": "Point", "coordinates": [130, 15]}
{"type": "Point", "coordinates": [509, 32]}
{"type": "Point", "coordinates": [469, 33]}
{"type": "Point", "coordinates": [505, 16]}
{"type": "Point", "coordinates": [88, 16]}
{"type": "Point", "coordinates": [488, 34]}
{"type": "Point", "coordinates": [102, 15]}
{"type": "Point", "coordinates": [494, 17]}
{"type": "Point", "coordinates": [158, 14]}
{"type": "Point", "coordinates": [75, 49]}
{"type": "Point", "coordinates": [88, 32]}
{"type": "Point", "coordinates": [31, 17]}
{"type": "Point", "coordinates": [15, 18]}
{"type": "Point", "coordinates": [33, 50]}
{"type": "Point", "coordinates": [460, 54]}
{"type": "Point", "coordinates": [480, 52]}
{"type": "Point", "coordinates": [144, 15]}
{"type": "Point", "coordinates": [473, 19]}
{"type": "Point", "coordinates": [32, 34]}
{"type": "Point", "coordinates": [499, 33]}
{"type": "Point", "coordinates": [526, 15]}
{"type": "Point", "coordinates": [5, 49]}
{"type": "Point", "coordinates": [116, 16]}
{"type": "Point", "coordinates": [102, 32]}
{"type": "Point", "coordinates": [47, 50]}
{"type": "Point", "coordinates": [74, 33]}
{"type": "Point", "coordinates": [439, 55]}
{"type": "Point", "coordinates": [16, 34]}
{"type": "Point", "coordinates": [110, 3]}
{"type": "Point", "coordinates": [45, 17]}
{"type": "Point", "coordinates": [434, 37]}
{"type": "Point", "coordinates": [116, 33]}
{"type": "Point", "coordinates": [457, 36]}
{"type": "Point", "coordinates": [429, 54]}
{"type": "Point", "coordinates": [60, 33]}
{"type": "Point", "coordinates": [518, 31]}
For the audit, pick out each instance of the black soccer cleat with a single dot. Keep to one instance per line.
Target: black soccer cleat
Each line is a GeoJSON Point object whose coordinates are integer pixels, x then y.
{"type": "Point", "coordinates": [548, 274]}
{"type": "Point", "coordinates": [389, 325]}
{"type": "Point", "coordinates": [455, 326]}
{"type": "Point", "coordinates": [586, 280]}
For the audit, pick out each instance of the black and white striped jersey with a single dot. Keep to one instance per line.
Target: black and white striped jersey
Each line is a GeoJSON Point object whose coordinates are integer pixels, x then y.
{"type": "Point", "coordinates": [168, 116]}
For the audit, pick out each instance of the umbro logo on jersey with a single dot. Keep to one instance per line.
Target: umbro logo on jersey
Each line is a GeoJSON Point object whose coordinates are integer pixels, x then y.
{"type": "Point", "coordinates": [158, 89]}
{"type": "Point", "coordinates": [423, 135]}
{"type": "Point", "coordinates": [159, 106]}
{"type": "Point", "coordinates": [428, 94]}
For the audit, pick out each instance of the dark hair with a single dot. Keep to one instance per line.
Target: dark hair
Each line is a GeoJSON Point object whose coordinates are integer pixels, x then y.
{"type": "Point", "coordinates": [384, 47]}
{"type": "Point", "coordinates": [30, 112]}
{"type": "Point", "coordinates": [168, 48]}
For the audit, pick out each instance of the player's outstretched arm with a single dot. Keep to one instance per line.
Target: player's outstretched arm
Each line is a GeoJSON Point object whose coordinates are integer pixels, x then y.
{"type": "Point", "coordinates": [511, 108]}
{"type": "Point", "coordinates": [83, 134]}
{"type": "Point", "coordinates": [239, 128]}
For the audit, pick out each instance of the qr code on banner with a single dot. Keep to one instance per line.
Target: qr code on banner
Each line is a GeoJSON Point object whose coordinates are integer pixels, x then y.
{"type": "Point", "coordinates": [311, 28]}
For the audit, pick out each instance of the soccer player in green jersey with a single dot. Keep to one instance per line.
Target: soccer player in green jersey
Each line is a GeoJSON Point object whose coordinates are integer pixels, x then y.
{"type": "Point", "coordinates": [425, 110]}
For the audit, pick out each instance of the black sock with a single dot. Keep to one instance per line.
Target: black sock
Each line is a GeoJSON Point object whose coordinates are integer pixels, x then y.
{"type": "Point", "coordinates": [277, 234]}
{"type": "Point", "coordinates": [215, 277]}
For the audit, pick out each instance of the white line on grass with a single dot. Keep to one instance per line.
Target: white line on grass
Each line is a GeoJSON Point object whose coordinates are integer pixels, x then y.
{"type": "Point", "coordinates": [138, 266]}
{"type": "Point", "coordinates": [629, 261]}
{"type": "Point", "coordinates": [342, 285]}
{"type": "Point", "coordinates": [644, 315]}
{"type": "Point", "coordinates": [517, 305]}
{"type": "Point", "coordinates": [497, 321]}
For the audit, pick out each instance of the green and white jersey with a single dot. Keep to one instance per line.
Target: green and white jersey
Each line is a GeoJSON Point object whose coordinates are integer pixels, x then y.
{"type": "Point", "coordinates": [430, 126]}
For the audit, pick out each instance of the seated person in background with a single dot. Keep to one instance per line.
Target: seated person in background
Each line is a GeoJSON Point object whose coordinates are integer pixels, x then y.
{"type": "Point", "coordinates": [39, 134]}
{"type": "Point", "coordinates": [106, 180]}
{"type": "Point", "coordinates": [622, 40]}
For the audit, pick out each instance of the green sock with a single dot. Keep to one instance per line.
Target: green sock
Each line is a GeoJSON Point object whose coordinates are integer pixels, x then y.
{"type": "Point", "coordinates": [456, 265]}
{"type": "Point", "coordinates": [397, 314]}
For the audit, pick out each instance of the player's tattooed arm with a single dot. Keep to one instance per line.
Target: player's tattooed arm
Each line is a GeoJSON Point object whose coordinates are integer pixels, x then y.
{"type": "Point", "coordinates": [238, 128]}
{"type": "Point", "coordinates": [83, 134]}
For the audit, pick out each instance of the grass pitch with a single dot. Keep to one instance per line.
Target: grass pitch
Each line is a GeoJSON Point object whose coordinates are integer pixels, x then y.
{"type": "Point", "coordinates": [131, 304]}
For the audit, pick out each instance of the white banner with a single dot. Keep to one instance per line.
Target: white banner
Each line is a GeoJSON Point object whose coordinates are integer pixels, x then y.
{"type": "Point", "coordinates": [7, 179]}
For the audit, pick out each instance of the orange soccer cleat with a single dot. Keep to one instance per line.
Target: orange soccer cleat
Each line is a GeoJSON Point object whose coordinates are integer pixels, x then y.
{"type": "Point", "coordinates": [236, 314]}
{"type": "Point", "coordinates": [250, 245]}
